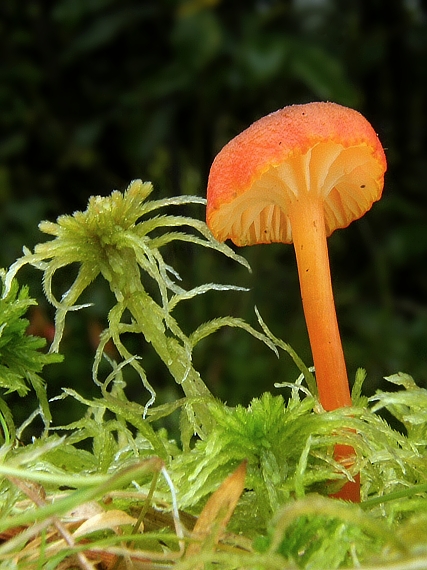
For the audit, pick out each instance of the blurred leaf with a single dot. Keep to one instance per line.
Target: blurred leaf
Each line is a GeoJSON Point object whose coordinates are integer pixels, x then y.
{"type": "Point", "coordinates": [103, 30]}
{"type": "Point", "coordinates": [13, 145]}
{"type": "Point", "coordinates": [74, 10]}
{"type": "Point", "coordinates": [263, 58]}
{"type": "Point", "coordinates": [323, 73]}
{"type": "Point", "coordinates": [190, 7]}
{"type": "Point", "coordinates": [4, 183]}
{"type": "Point", "coordinates": [197, 38]}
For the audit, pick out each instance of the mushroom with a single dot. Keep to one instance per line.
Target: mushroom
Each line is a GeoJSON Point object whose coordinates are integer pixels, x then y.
{"type": "Point", "coordinates": [296, 175]}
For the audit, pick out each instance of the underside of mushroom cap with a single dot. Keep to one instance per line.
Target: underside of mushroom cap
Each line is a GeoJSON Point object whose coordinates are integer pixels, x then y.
{"type": "Point", "coordinates": [320, 149]}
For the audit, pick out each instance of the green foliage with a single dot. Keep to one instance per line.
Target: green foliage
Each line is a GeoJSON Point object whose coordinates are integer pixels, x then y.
{"type": "Point", "coordinates": [114, 460]}
{"type": "Point", "coordinates": [260, 433]}
{"type": "Point", "coordinates": [21, 360]}
{"type": "Point", "coordinates": [289, 448]}
{"type": "Point", "coordinates": [317, 532]}
{"type": "Point", "coordinates": [113, 239]}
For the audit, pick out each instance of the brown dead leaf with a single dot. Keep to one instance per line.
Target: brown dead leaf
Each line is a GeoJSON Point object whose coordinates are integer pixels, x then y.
{"type": "Point", "coordinates": [111, 520]}
{"type": "Point", "coordinates": [217, 512]}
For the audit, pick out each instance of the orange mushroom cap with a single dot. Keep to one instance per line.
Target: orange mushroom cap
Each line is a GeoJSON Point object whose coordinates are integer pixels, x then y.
{"type": "Point", "coordinates": [317, 147]}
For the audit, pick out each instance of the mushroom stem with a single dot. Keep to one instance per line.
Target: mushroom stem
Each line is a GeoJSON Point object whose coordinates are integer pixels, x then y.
{"type": "Point", "coordinates": [309, 237]}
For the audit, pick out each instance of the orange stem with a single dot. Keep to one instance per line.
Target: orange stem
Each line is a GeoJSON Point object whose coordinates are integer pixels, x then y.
{"type": "Point", "coordinates": [309, 238]}
{"type": "Point", "coordinates": [350, 491]}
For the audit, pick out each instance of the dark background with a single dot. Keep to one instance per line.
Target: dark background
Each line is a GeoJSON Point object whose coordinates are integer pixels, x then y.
{"type": "Point", "coordinates": [95, 93]}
